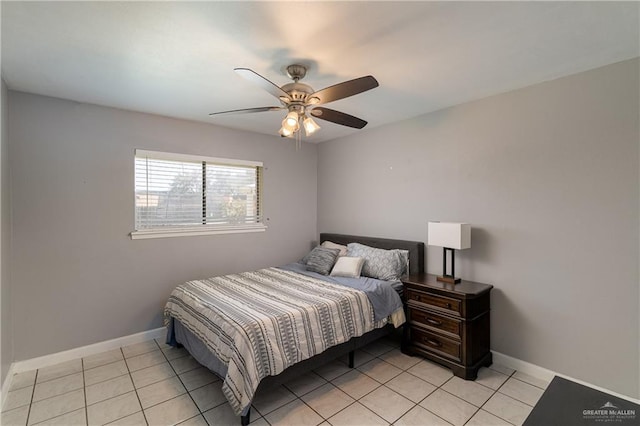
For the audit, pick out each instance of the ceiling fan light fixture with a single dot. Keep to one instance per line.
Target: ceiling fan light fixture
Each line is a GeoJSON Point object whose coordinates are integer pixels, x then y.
{"type": "Point", "coordinates": [310, 126]}
{"type": "Point", "coordinates": [285, 133]}
{"type": "Point", "coordinates": [291, 120]}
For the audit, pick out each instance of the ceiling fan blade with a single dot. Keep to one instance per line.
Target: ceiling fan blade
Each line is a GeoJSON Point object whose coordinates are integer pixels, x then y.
{"type": "Point", "coordinates": [345, 89]}
{"type": "Point", "coordinates": [338, 117]}
{"type": "Point", "coordinates": [248, 110]}
{"type": "Point", "coordinates": [259, 80]}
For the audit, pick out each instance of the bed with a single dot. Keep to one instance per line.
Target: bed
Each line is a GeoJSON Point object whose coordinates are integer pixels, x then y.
{"type": "Point", "coordinates": [261, 328]}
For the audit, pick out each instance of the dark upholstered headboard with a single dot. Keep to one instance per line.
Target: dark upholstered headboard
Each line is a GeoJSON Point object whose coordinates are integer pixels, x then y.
{"type": "Point", "coordinates": [416, 248]}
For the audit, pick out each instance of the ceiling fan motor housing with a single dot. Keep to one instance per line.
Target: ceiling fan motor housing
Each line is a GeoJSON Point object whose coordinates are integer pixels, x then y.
{"type": "Point", "coordinates": [298, 92]}
{"type": "Point", "coordinates": [296, 72]}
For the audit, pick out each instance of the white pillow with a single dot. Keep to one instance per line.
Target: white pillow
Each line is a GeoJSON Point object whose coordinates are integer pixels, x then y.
{"type": "Point", "coordinates": [329, 244]}
{"type": "Point", "coordinates": [347, 267]}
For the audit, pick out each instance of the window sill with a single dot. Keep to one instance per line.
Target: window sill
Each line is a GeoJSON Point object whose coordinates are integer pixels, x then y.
{"type": "Point", "coordinates": [194, 231]}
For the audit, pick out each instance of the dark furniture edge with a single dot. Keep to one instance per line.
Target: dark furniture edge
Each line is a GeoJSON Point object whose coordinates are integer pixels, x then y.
{"type": "Point", "coordinates": [463, 290]}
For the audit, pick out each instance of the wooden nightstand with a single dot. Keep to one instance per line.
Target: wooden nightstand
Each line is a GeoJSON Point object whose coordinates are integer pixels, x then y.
{"type": "Point", "coordinates": [448, 324]}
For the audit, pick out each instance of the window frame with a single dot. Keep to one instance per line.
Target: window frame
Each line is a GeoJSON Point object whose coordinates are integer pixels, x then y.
{"type": "Point", "coordinates": [205, 229]}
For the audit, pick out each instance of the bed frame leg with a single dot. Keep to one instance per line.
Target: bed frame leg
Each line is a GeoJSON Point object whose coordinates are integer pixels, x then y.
{"type": "Point", "coordinates": [352, 357]}
{"type": "Point", "coordinates": [244, 420]}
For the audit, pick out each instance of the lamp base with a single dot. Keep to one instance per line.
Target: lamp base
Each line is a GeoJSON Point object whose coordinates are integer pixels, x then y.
{"type": "Point", "coordinates": [448, 279]}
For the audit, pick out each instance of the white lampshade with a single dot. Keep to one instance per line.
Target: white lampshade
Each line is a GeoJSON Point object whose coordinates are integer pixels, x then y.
{"type": "Point", "coordinates": [450, 235]}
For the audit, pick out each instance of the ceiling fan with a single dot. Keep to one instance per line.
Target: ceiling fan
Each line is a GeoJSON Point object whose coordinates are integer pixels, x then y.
{"type": "Point", "coordinates": [302, 102]}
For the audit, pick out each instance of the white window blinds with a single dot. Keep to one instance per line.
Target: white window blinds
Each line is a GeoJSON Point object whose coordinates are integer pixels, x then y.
{"type": "Point", "coordinates": [184, 194]}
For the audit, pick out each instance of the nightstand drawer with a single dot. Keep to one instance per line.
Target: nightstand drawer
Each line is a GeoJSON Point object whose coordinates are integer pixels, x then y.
{"type": "Point", "coordinates": [433, 320]}
{"type": "Point", "coordinates": [436, 343]}
{"type": "Point", "coordinates": [439, 302]}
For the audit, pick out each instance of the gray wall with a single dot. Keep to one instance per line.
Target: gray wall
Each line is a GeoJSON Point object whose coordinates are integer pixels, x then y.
{"type": "Point", "coordinates": [78, 278]}
{"type": "Point", "coordinates": [6, 343]}
{"type": "Point", "coordinates": [548, 177]}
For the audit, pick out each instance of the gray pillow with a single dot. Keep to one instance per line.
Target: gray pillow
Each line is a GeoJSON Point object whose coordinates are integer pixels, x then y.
{"type": "Point", "coordinates": [388, 265]}
{"type": "Point", "coordinates": [321, 260]}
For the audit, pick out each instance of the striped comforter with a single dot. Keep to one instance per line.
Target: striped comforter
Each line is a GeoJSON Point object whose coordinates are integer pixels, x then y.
{"type": "Point", "coordinates": [261, 322]}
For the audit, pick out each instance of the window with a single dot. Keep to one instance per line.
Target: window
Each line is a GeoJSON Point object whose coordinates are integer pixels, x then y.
{"type": "Point", "coordinates": [178, 195]}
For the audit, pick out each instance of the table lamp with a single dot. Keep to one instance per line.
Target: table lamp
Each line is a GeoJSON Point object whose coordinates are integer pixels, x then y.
{"type": "Point", "coordinates": [450, 236]}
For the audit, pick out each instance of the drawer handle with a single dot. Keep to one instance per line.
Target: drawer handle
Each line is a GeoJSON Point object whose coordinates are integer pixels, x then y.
{"type": "Point", "coordinates": [448, 305]}
{"type": "Point", "coordinates": [433, 322]}
{"type": "Point", "coordinates": [433, 342]}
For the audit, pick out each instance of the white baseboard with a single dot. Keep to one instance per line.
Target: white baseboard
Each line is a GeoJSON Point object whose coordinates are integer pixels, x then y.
{"type": "Point", "coordinates": [7, 384]}
{"type": "Point", "coordinates": [81, 352]}
{"type": "Point", "coordinates": [543, 373]}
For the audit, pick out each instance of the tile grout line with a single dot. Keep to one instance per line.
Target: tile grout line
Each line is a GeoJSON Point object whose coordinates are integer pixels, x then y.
{"type": "Point", "coordinates": [326, 419]}
{"type": "Point", "coordinates": [431, 393]}
{"type": "Point", "coordinates": [113, 397]}
{"type": "Point", "coordinates": [47, 398]}
{"type": "Point", "coordinates": [324, 384]}
{"type": "Point", "coordinates": [299, 397]}
{"type": "Point", "coordinates": [135, 389]}
{"type": "Point", "coordinates": [497, 391]}
{"type": "Point", "coordinates": [350, 404]}
{"type": "Point", "coordinates": [35, 382]}
{"type": "Point", "coordinates": [460, 398]}
{"type": "Point", "coordinates": [525, 382]}
{"type": "Point", "coordinates": [102, 365]}
{"type": "Point", "coordinates": [128, 374]}
{"type": "Point", "coordinates": [264, 416]}
{"type": "Point", "coordinates": [478, 408]}
{"type": "Point", "coordinates": [493, 391]}
{"type": "Point", "coordinates": [141, 353]}
{"type": "Point", "coordinates": [194, 389]}
{"type": "Point", "coordinates": [403, 370]}
{"type": "Point", "coordinates": [55, 417]}
{"type": "Point", "coordinates": [55, 378]}
{"type": "Point", "coordinates": [514, 398]}
{"type": "Point", "coordinates": [200, 412]}
{"type": "Point", "coordinates": [106, 399]}
{"type": "Point", "coordinates": [84, 389]}
{"type": "Point", "coordinates": [403, 414]}
{"type": "Point", "coordinates": [106, 380]}
{"type": "Point", "coordinates": [183, 385]}
{"type": "Point", "coordinates": [373, 390]}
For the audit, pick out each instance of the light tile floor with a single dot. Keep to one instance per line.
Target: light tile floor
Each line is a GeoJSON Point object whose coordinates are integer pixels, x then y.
{"type": "Point", "coordinates": [153, 384]}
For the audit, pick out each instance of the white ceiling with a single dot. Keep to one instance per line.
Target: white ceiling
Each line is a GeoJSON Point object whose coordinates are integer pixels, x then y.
{"type": "Point", "coordinates": [177, 59]}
